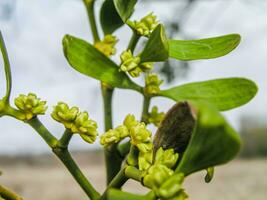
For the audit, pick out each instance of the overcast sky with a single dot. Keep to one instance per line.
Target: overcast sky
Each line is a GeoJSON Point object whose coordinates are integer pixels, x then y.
{"type": "Point", "coordinates": [33, 31]}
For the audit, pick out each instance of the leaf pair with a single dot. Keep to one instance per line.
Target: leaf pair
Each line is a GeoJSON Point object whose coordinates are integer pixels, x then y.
{"type": "Point", "coordinates": [201, 133]}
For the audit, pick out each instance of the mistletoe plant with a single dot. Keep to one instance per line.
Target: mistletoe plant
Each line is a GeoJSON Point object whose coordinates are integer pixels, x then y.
{"type": "Point", "coordinates": [192, 136]}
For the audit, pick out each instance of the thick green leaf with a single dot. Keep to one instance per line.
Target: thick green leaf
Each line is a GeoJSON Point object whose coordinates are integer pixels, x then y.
{"type": "Point", "coordinates": [125, 8]}
{"type": "Point", "coordinates": [176, 128]}
{"type": "Point", "coordinates": [157, 47]}
{"type": "Point", "coordinates": [212, 143]}
{"type": "Point", "coordinates": [86, 59]}
{"type": "Point", "coordinates": [225, 93]}
{"type": "Point", "coordinates": [109, 17]}
{"type": "Point", "coordinates": [204, 48]}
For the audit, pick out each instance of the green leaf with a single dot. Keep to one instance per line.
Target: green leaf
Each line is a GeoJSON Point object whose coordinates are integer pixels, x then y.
{"type": "Point", "coordinates": [175, 129]}
{"type": "Point", "coordinates": [125, 8]}
{"type": "Point", "coordinates": [157, 47]}
{"type": "Point", "coordinates": [213, 141]}
{"type": "Point", "coordinates": [109, 17]}
{"type": "Point", "coordinates": [204, 48]}
{"type": "Point", "coordinates": [87, 60]}
{"type": "Point", "coordinates": [225, 93]}
{"type": "Point", "coordinates": [7, 69]}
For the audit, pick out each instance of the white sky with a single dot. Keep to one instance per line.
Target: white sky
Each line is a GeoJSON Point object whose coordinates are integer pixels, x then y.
{"type": "Point", "coordinates": [33, 37]}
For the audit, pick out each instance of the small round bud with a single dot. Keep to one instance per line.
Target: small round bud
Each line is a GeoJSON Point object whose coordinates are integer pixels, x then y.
{"type": "Point", "coordinates": [152, 84]}
{"type": "Point", "coordinates": [123, 131]}
{"type": "Point", "coordinates": [145, 26]}
{"type": "Point", "coordinates": [65, 115]}
{"type": "Point", "coordinates": [167, 157]}
{"type": "Point", "coordinates": [155, 117]}
{"type": "Point", "coordinates": [85, 127]}
{"type": "Point", "coordinates": [107, 45]}
{"type": "Point", "coordinates": [130, 121]}
{"type": "Point", "coordinates": [140, 135]}
{"type": "Point", "coordinates": [30, 105]}
{"type": "Point", "coordinates": [145, 160]}
{"type": "Point", "coordinates": [110, 137]}
{"type": "Point", "coordinates": [156, 176]}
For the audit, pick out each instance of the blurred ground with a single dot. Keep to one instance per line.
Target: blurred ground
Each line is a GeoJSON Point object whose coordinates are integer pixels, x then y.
{"type": "Point", "coordinates": [43, 177]}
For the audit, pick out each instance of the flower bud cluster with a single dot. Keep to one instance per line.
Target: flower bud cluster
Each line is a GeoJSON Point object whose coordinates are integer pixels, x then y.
{"type": "Point", "coordinates": [114, 136]}
{"type": "Point", "coordinates": [30, 105]}
{"type": "Point", "coordinates": [133, 65]}
{"type": "Point", "coordinates": [152, 84]}
{"type": "Point", "coordinates": [161, 178]}
{"type": "Point", "coordinates": [75, 121]}
{"type": "Point", "coordinates": [155, 117]}
{"type": "Point", "coordinates": [107, 45]}
{"type": "Point", "coordinates": [145, 26]}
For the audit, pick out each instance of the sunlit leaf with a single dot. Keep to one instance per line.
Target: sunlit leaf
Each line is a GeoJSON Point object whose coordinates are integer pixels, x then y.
{"type": "Point", "coordinates": [87, 60]}
{"type": "Point", "coordinates": [225, 93]}
{"type": "Point", "coordinates": [213, 141]}
{"type": "Point", "coordinates": [125, 8]}
{"type": "Point", "coordinates": [109, 17]}
{"type": "Point", "coordinates": [204, 48]}
{"type": "Point", "coordinates": [157, 48]}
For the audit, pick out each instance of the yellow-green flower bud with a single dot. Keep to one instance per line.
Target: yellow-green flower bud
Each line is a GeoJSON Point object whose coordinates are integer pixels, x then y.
{"type": "Point", "coordinates": [145, 160]}
{"type": "Point", "coordinates": [123, 131]}
{"type": "Point", "coordinates": [167, 157]}
{"type": "Point", "coordinates": [110, 137]}
{"type": "Point", "coordinates": [85, 127]}
{"type": "Point", "coordinates": [152, 84]}
{"type": "Point", "coordinates": [30, 105]}
{"type": "Point", "coordinates": [140, 135]}
{"type": "Point", "coordinates": [130, 121]}
{"type": "Point", "coordinates": [146, 25]}
{"type": "Point", "coordinates": [156, 176]}
{"type": "Point", "coordinates": [133, 65]}
{"type": "Point", "coordinates": [155, 117]}
{"type": "Point", "coordinates": [107, 45]}
{"type": "Point", "coordinates": [65, 115]}
{"type": "Point", "coordinates": [172, 186]}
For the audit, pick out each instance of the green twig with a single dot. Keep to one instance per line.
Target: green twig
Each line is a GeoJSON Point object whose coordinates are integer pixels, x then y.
{"type": "Point", "coordinates": [133, 42]}
{"type": "Point", "coordinates": [89, 4]}
{"type": "Point", "coordinates": [8, 194]}
{"type": "Point", "coordinates": [60, 148]}
{"type": "Point", "coordinates": [146, 104]}
{"type": "Point", "coordinates": [114, 194]}
{"type": "Point", "coordinates": [7, 69]}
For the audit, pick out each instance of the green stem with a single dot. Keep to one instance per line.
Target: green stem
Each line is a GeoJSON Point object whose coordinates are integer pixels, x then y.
{"type": "Point", "coordinates": [65, 139]}
{"type": "Point", "coordinates": [124, 148]}
{"type": "Point", "coordinates": [65, 157]}
{"type": "Point", "coordinates": [60, 148]}
{"type": "Point", "coordinates": [133, 173]}
{"type": "Point", "coordinates": [146, 103]}
{"type": "Point", "coordinates": [114, 194]}
{"type": "Point", "coordinates": [8, 194]}
{"type": "Point", "coordinates": [118, 181]}
{"type": "Point", "coordinates": [112, 158]}
{"type": "Point", "coordinates": [133, 42]}
{"type": "Point", "coordinates": [7, 69]}
{"type": "Point", "coordinates": [89, 4]}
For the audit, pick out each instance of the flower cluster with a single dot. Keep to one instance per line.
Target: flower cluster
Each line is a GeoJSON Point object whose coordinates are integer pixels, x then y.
{"type": "Point", "coordinates": [30, 105]}
{"type": "Point", "coordinates": [133, 65]}
{"type": "Point", "coordinates": [161, 178]}
{"type": "Point", "coordinates": [114, 136]}
{"type": "Point", "coordinates": [155, 117]}
{"type": "Point", "coordinates": [75, 121]}
{"type": "Point", "coordinates": [152, 84]}
{"type": "Point", "coordinates": [107, 45]}
{"type": "Point", "coordinates": [145, 26]}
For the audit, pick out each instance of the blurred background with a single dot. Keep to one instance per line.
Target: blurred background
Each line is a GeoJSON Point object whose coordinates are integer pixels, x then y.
{"type": "Point", "coordinates": [33, 30]}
